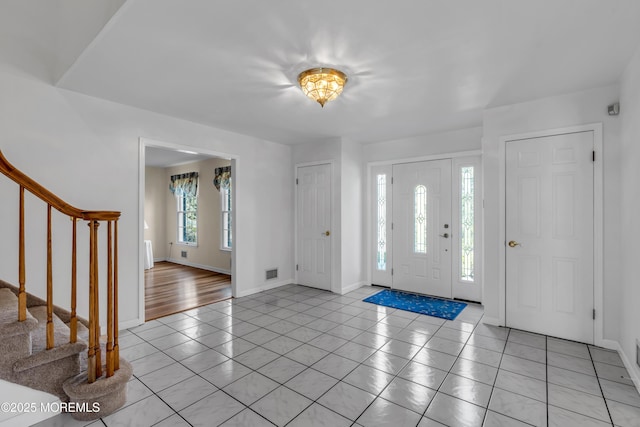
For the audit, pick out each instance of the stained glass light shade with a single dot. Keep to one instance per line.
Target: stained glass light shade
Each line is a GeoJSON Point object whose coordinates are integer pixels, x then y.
{"type": "Point", "coordinates": [322, 84]}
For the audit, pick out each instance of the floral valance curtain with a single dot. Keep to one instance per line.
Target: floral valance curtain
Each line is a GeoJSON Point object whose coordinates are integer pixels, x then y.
{"type": "Point", "coordinates": [184, 184]}
{"type": "Point", "coordinates": [223, 177]}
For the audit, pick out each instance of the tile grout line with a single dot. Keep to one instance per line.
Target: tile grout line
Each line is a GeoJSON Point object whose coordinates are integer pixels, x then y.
{"type": "Point", "coordinates": [284, 355]}
{"type": "Point", "coordinates": [306, 366]}
{"type": "Point", "coordinates": [299, 300]}
{"type": "Point", "coordinates": [606, 405]}
{"type": "Point", "coordinates": [424, 414]}
{"type": "Point", "coordinates": [362, 364]}
{"type": "Point", "coordinates": [493, 386]}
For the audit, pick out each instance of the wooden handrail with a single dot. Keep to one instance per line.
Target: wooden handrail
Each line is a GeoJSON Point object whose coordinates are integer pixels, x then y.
{"type": "Point", "coordinates": [94, 218]}
{"type": "Point", "coordinates": [48, 197]}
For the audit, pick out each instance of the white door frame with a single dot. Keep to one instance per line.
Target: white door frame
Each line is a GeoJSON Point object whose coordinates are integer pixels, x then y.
{"type": "Point", "coordinates": [598, 221]}
{"type": "Point", "coordinates": [147, 142]}
{"type": "Point", "coordinates": [369, 214]}
{"type": "Point", "coordinates": [335, 235]}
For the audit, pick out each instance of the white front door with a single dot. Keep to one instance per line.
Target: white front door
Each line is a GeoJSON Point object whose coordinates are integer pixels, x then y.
{"type": "Point", "coordinates": [314, 226]}
{"type": "Point", "coordinates": [549, 235]}
{"type": "Point", "coordinates": [422, 227]}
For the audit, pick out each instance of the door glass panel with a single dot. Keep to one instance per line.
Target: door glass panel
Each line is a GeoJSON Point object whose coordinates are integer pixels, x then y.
{"type": "Point", "coordinates": [381, 258]}
{"type": "Point", "coordinates": [420, 219]}
{"type": "Point", "coordinates": [467, 196]}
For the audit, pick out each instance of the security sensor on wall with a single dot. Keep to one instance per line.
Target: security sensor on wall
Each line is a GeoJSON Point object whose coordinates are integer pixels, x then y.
{"type": "Point", "coordinates": [614, 109]}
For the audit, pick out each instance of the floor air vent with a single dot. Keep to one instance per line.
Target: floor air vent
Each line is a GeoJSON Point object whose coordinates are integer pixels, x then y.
{"type": "Point", "coordinates": [272, 274]}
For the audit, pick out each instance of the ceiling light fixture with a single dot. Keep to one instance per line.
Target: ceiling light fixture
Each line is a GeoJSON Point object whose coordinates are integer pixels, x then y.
{"type": "Point", "coordinates": [322, 84]}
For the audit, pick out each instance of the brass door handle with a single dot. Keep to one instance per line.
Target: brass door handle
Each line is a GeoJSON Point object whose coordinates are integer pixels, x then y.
{"type": "Point", "coordinates": [513, 244]}
{"type": "Point", "coordinates": [327, 233]}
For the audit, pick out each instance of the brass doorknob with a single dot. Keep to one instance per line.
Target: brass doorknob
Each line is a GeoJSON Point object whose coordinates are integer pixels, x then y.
{"type": "Point", "coordinates": [327, 233]}
{"type": "Point", "coordinates": [513, 244]}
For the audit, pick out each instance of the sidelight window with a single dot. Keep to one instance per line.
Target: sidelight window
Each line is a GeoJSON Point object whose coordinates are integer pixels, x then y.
{"type": "Point", "coordinates": [381, 258]}
{"type": "Point", "coordinates": [467, 232]}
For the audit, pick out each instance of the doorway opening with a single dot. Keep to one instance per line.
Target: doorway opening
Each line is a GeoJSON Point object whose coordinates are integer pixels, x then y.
{"type": "Point", "coordinates": [425, 226]}
{"type": "Point", "coordinates": [187, 201]}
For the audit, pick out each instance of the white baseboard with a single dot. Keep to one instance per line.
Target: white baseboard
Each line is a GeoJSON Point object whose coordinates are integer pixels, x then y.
{"type": "Point", "coordinates": [130, 324]}
{"type": "Point", "coordinates": [493, 321]}
{"type": "Point", "coordinates": [352, 287]}
{"type": "Point", "coordinates": [264, 287]}
{"type": "Point", "coordinates": [200, 266]}
{"type": "Point", "coordinates": [632, 368]}
{"type": "Point", "coordinates": [609, 344]}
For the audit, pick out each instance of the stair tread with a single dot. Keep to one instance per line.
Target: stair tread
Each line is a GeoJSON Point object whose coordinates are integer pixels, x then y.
{"type": "Point", "coordinates": [39, 335]}
{"type": "Point", "coordinates": [8, 306]}
{"type": "Point", "coordinates": [9, 324]}
{"type": "Point", "coordinates": [83, 331]}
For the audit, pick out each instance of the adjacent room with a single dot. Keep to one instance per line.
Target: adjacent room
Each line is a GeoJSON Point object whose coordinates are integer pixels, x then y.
{"type": "Point", "coordinates": [188, 233]}
{"type": "Point", "coordinates": [249, 213]}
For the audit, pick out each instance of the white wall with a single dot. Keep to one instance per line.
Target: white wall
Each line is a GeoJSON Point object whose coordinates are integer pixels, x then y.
{"type": "Point", "coordinates": [352, 215]}
{"type": "Point", "coordinates": [630, 116]}
{"type": "Point", "coordinates": [424, 145]}
{"type": "Point", "coordinates": [86, 150]}
{"type": "Point", "coordinates": [347, 196]}
{"type": "Point", "coordinates": [551, 113]}
{"type": "Point", "coordinates": [155, 214]}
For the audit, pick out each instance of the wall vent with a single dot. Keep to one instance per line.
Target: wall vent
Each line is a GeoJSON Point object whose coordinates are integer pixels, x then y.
{"type": "Point", "coordinates": [183, 254]}
{"type": "Point", "coordinates": [272, 274]}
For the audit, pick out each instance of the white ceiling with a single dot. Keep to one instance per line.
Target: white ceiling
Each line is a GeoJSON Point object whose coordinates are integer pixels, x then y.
{"type": "Point", "coordinates": [44, 37]}
{"type": "Point", "coordinates": [414, 66]}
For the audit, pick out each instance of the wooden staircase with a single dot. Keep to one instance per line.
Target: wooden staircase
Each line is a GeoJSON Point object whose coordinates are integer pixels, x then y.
{"type": "Point", "coordinates": [50, 348]}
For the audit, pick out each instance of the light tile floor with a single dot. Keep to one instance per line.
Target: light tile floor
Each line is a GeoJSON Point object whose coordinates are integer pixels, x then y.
{"type": "Point", "coordinates": [298, 356]}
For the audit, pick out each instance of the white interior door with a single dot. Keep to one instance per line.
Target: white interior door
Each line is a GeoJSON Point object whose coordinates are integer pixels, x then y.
{"type": "Point", "coordinates": [422, 227]}
{"type": "Point", "coordinates": [549, 235]}
{"type": "Point", "coordinates": [314, 226]}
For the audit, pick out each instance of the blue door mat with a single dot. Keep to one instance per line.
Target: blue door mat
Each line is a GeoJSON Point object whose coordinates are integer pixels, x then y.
{"type": "Point", "coordinates": [436, 307]}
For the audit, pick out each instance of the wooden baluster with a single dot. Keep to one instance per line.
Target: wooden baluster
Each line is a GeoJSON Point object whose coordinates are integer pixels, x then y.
{"type": "Point", "coordinates": [91, 353]}
{"type": "Point", "coordinates": [22, 294]}
{"type": "Point", "coordinates": [50, 342]}
{"type": "Point", "coordinates": [96, 304]}
{"type": "Point", "coordinates": [116, 348]}
{"type": "Point", "coordinates": [109, 299]}
{"type": "Point", "coordinates": [73, 322]}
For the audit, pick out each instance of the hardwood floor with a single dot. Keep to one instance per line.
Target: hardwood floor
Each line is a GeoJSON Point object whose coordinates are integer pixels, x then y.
{"type": "Point", "coordinates": [171, 288]}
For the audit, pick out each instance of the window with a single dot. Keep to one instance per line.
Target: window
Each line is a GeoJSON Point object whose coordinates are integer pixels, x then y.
{"type": "Point", "coordinates": [467, 199]}
{"type": "Point", "coordinates": [187, 218]}
{"type": "Point", "coordinates": [381, 258]}
{"type": "Point", "coordinates": [420, 219]}
{"type": "Point", "coordinates": [227, 230]}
